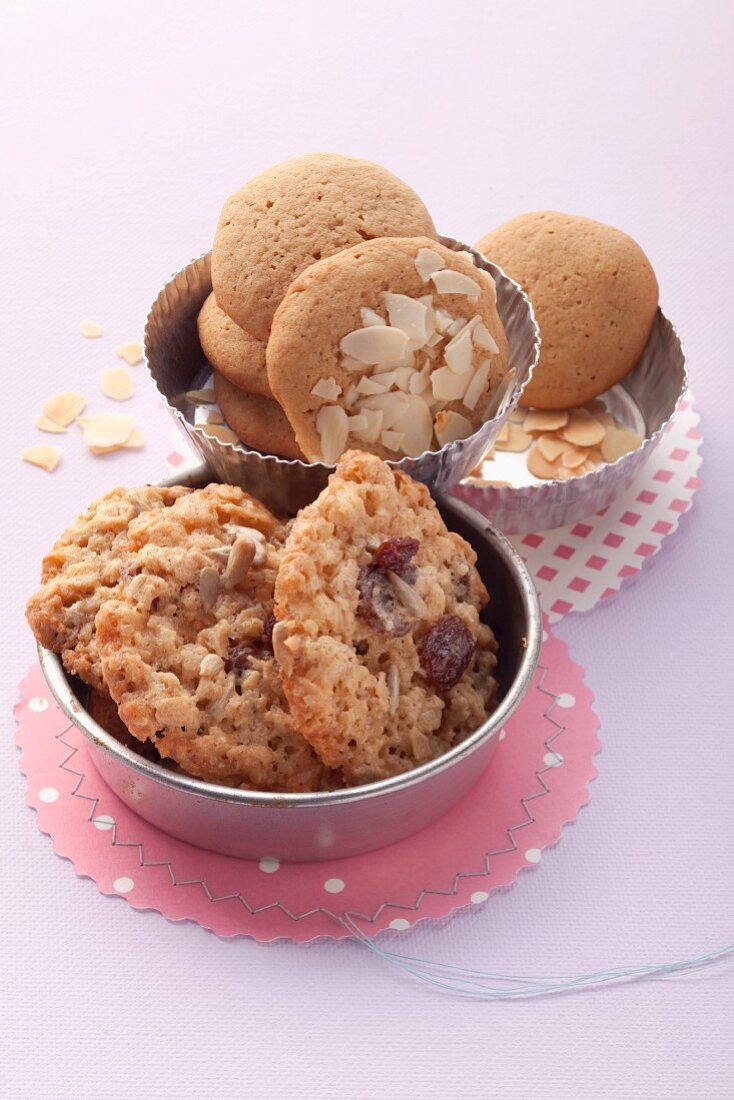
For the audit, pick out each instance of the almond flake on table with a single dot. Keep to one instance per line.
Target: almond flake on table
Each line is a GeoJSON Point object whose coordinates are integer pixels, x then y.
{"type": "Point", "coordinates": [43, 456]}
{"type": "Point", "coordinates": [219, 431]}
{"type": "Point", "coordinates": [90, 329]}
{"type": "Point", "coordinates": [63, 408]}
{"type": "Point", "coordinates": [201, 397]}
{"type": "Point", "coordinates": [47, 425]}
{"type": "Point", "coordinates": [131, 353]}
{"type": "Point", "coordinates": [106, 430]}
{"type": "Point", "coordinates": [133, 442]}
{"type": "Point", "coordinates": [117, 383]}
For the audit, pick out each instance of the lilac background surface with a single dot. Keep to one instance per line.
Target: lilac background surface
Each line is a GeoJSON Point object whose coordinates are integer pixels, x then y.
{"type": "Point", "coordinates": [124, 126]}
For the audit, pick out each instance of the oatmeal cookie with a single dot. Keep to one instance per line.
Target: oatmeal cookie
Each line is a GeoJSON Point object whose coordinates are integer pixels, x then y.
{"type": "Point", "coordinates": [231, 350]}
{"type": "Point", "coordinates": [186, 647]}
{"type": "Point", "coordinates": [394, 346]}
{"type": "Point", "coordinates": [300, 211]}
{"type": "Point", "coordinates": [384, 659]}
{"type": "Point", "coordinates": [82, 571]}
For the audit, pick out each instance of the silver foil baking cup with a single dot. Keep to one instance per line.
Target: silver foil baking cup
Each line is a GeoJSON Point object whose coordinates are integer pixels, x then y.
{"type": "Point", "coordinates": [177, 364]}
{"type": "Point", "coordinates": [329, 824]}
{"type": "Point", "coordinates": [645, 401]}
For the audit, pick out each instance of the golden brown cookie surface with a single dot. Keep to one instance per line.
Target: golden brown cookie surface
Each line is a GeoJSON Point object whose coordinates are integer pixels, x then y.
{"type": "Point", "coordinates": [384, 659]}
{"type": "Point", "coordinates": [258, 421]}
{"type": "Point", "coordinates": [595, 297]}
{"type": "Point", "coordinates": [231, 350]}
{"type": "Point", "coordinates": [295, 213]}
{"type": "Point", "coordinates": [393, 346]}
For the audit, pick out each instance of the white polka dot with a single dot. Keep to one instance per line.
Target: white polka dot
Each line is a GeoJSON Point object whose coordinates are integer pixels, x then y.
{"type": "Point", "coordinates": [502, 735]}
{"type": "Point", "coordinates": [104, 821]}
{"type": "Point", "coordinates": [400, 924]}
{"type": "Point", "coordinates": [479, 896]}
{"type": "Point", "coordinates": [565, 700]}
{"type": "Point", "coordinates": [269, 864]}
{"type": "Point", "coordinates": [333, 886]}
{"type": "Point", "coordinates": [553, 759]}
{"type": "Point", "coordinates": [533, 855]}
{"type": "Point", "coordinates": [48, 794]}
{"type": "Point", "coordinates": [38, 704]}
{"type": "Point", "coordinates": [123, 885]}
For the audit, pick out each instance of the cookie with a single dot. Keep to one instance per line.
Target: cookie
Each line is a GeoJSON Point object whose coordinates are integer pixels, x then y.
{"type": "Point", "coordinates": [394, 346]}
{"type": "Point", "coordinates": [384, 659]}
{"type": "Point", "coordinates": [595, 297]}
{"type": "Point", "coordinates": [186, 646]}
{"type": "Point", "coordinates": [258, 421]}
{"type": "Point", "coordinates": [82, 571]}
{"type": "Point", "coordinates": [295, 213]}
{"type": "Point", "coordinates": [231, 350]}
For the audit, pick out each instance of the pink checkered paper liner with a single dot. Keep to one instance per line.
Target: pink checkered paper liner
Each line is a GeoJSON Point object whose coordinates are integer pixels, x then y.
{"type": "Point", "coordinates": [577, 566]}
{"type": "Point", "coordinates": [537, 781]}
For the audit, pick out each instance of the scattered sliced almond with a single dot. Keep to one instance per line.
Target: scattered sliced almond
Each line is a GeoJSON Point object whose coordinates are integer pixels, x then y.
{"type": "Point", "coordinates": [483, 338]}
{"type": "Point", "coordinates": [518, 440]}
{"type": "Point", "coordinates": [48, 425]}
{"type": "Point", "coordinates": [133, 442]}
{"type": "Point", "coordinates": [427, 262]}
{"type": "Point", "coordinates": [117, 383]}
{"type": "Point", "coordinates": [328, 388]}
{"type": "Point", "coordinates": [618, 442]}
{"type": "Point", "coordinates": [64, 408]}
{"type": "Point", "coordinates": [42, 455]}
{"type": "Point", "coordinates": [503, 436]}
{"type": "Point", "coordinates": [220, 432]}
{"type": "Point", "coordinates": [416, 424]}
{"type": "Point", "coordinates": [458, 352]}
{"type": "Point", "coordinates": [371, 317]}
{"type": "Point", "coordinates": [540, 467]}
{"type": "Point", "coordinates": [215, 417]}
{"type": "Point", "coordinates": [551, 447]}
{"type": "Point", "coordinates": [447, 281]}
{"type": "Point", "coordinates": [446, 385]}
{"type": "Point", "coordinates": [545, 420]}
{"type": "Point", "coordinates": [370, 433]}
{"type": "Point", "coordinates": [374, 344]}
{"type": "Point", "coordinates": [201, 397]}
{"type": "Point", "coordinates": [450, 425]}
{"type": "Point", "coordinates": [391, 440]}
{"type": "Point", "coordinates": [573, 457]}
{"type": "Point", "coordinates": [582, 430]}
{"type": "Point", "coordinates": [332, 424]}
{"type": "Point", "coordinates": [408, 315]}
{"type": "Point", "coordinates": [90, 329]}
{"type": "Point", "coordinates": [477, 385]}
{"type": "Point", "coordinates": [517, 416]}
{"type": "Point", "coordinates": [131, 353]}
{"type": "Point", "coordinates": [106, 429]}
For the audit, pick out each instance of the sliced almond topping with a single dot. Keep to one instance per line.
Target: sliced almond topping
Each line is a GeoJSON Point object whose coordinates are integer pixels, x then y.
{"type": "Point", "coordinates": [219, 431]}
{"type": "Point", "coordinates": [446, 385]}
{"type": "Point", "coordinates": [450, 425]}
{"type": "Point", "coordinates": [456, 326]}
{"type": "Point", "coordinates": [517, 440]}
{"type": "Point", "coordinates": [48, 425]}
{"type": "Point", "coordinates": [582, 430]}
{"type": "Point", "coordinates": [371, 433]}
{"type": "Point", "coordinates": [211, 665]}
{"type": "Point", "coordinates": [503, 436]}
{"type": "Point", "coordinates": [545, 420]}
{"type": "Point", "coordinates": [208, 587]}
{"type": "Point", "coordinates": [443, 320]}
{"type": "Point", "coordinates": [214, 417]}
{"type": "Point", "coordinates": [241, 557]}
{"type": "Point", "coordinates": [358, 423]}
{"type": "Point", "coordinates": [477, 386]}
{"type": "Point", "coordinates": [90, 329]}
{"type": "Point", "coordinates": [371, 317]}
{"type": "Point", "coordinates": [42, 455]}
{"type": "Point", "coordinates": [409, 598]}
{"type": "Point", "coordinates": [420, 380]}
{"type": "Point", "coordinates": [117, 383]}
{"type": "Point", "coordinates": [64, 408]}
{"type": "Point", "coordinates": [392, 440]}
{"type": "Point", "coordinates": [408, 315]}
{"type": "Point", "coordinates": [551, 447]}
{"type": "Point", "coordinates": [427, 262]}
{"type": "Point", "coordinates": [280, 651]}
{"type": "Point", "coordinates": [107, 429]}
{"type": "Point", "coordinates": [618, 442]}
{"type": "Point", "coordinates": [393, 687]}
{"type": "Point", "coordinates": [454, 282]}
{"type": "Point", "coordinates": [371, 385]}
{"type": "Point", "coordinates": [483, 338]}
{"type": "Point", "coordinates": [333, 427]}
{"type": "Point", "coordinates": [201, 397]}
{"type": "Point", "coordinates": [573, 457]}
{"type": "Point", "coordinates": [458, 352]}
{"type": "Point", "coordinates": [390, 404]}
{"type": "Point", "coordinates": [351, 364]}
{"type": "Point", "coordinates": [376, 344]}
{"type": "Point", "coordinates": [327, 388]}
{"type": "Point", "coordinates": [540, 467]}
{"type": "Point", "coordinates": [416, 424]}
{"type": "Point", "coordinates": [434, 339]}
{"type": "Point", "coordinates": [403, 376]}
{"type": "Point", "coordinates": [131, 353]}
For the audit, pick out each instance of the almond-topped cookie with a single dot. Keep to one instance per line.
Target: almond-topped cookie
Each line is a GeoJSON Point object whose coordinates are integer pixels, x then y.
{"type": "Point", "coordinates": [82, 571]}
{"type": "Point", "coordinates": [187, 645]}
{"type": "Point", "coordinates": [394, 346]}
{"type": "Point", "coordinates": [385, 661]}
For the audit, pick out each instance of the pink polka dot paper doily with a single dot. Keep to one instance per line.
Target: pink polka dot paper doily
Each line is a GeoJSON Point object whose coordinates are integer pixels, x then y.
{"type": "Point", "coordinates": [537, 781]}
{"type": "Point", "coordinates": [577, 566]}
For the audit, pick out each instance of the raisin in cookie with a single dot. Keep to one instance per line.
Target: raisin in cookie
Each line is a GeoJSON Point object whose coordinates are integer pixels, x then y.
{"type": "Point", "coordinates": [82, 571]}
{"type": "Point", "coordinates": [186, 648]}
{"type": "Point", "coordinates": [258, 421]}
{"type": "Point", "coordinates": [385, 661]}
{"type": "Point", "coordinates": [231, 350]}
{"type": "Point", "coordinates": [297, 212]}
{"type": "Point", "coordinates": [595, 297]}
{"type": "Point", "coordinates": [394, 346]}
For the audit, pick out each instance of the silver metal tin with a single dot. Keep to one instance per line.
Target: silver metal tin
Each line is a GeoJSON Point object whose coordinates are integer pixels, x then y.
{"type": "Point", "coordinates": [645, 401]}
{"type": "Point", "coordinates": [177, 364]}
{"type": "Point", "coordinates": [302, 827]}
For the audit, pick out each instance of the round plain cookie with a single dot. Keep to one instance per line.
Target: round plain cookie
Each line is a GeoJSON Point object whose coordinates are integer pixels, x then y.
{"type": "Point", "coordinates": [186, 647]}
{"type": "Point", "coordinates": [295, 213]}
{"type": "Point", "coordinates": [595, 297]}
{"type": "Point", "coordinates": [231, 350]}
{"type": "Point", "coordinates": [382, 674]}
{"type": "Point", "coordinates": [83, 570]}
{"type": "Point", "coordinates": [259, 421]}
{"type": "Point", "coordinates": [337, 349]}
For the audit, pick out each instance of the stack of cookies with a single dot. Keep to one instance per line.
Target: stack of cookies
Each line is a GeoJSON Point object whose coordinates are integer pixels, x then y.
{"type": "Point", "coordinates": [338, 320]}
{"type": "Point", "coordinates": [334, 649]}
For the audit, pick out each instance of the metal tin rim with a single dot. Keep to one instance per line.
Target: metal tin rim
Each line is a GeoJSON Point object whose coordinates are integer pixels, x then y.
{"type": "Point", "coordinates": [61, 690]}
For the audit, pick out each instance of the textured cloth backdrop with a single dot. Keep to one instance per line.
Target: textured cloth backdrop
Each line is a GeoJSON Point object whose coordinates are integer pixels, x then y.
{"type": "Point", "coordinates": [124, 126]}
